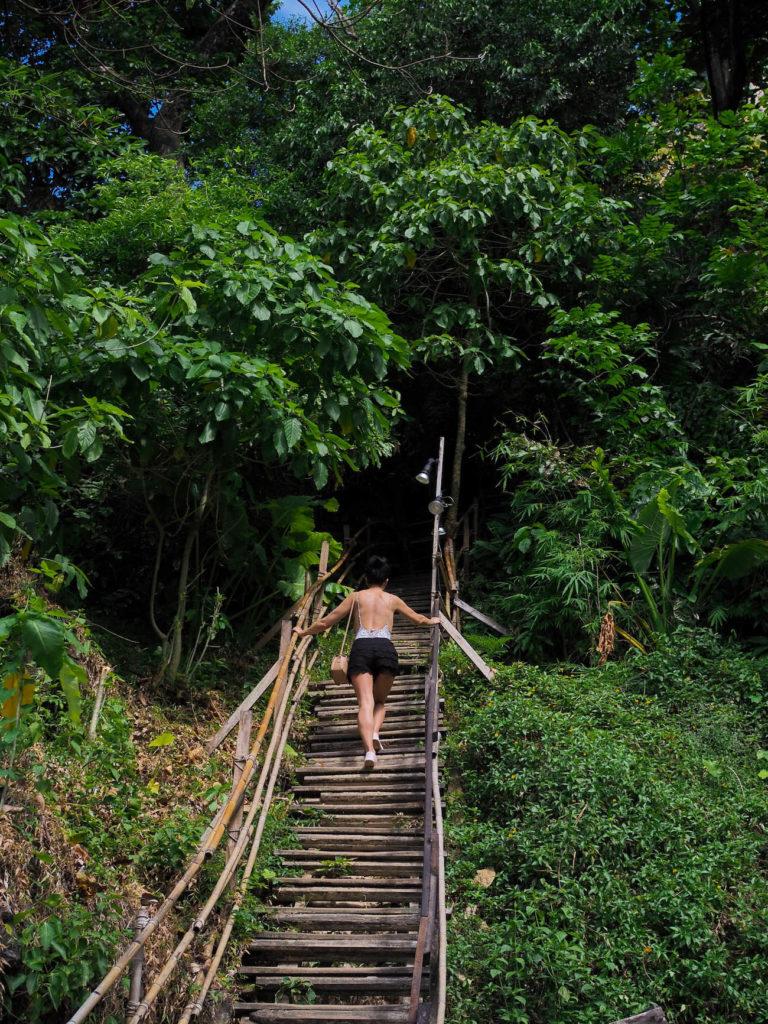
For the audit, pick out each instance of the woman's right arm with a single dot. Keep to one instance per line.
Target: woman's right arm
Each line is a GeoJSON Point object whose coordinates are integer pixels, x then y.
{"type": "Point", "coordinates": [414, 616]}
{"type": "Point", "coordinates": [328, 621]}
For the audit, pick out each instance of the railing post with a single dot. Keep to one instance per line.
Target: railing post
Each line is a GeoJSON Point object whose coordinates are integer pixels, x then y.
{"type": "Point", "coordinates": [241, 752]}
{"type": "Point", "coordinates": [136, 991]}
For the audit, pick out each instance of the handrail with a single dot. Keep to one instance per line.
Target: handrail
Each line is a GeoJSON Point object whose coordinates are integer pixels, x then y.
{"type": "Point", "coordinates": [431, 933]}
{"type": "Point", "coordinates": [289, 667]}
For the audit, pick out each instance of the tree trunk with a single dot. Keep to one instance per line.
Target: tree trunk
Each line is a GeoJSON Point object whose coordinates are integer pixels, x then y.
{"type": "Point", "coordinates": [458, 451]}
{"type": "Point", "coordinates": [724, 52]}
{"type": "Point", "coordinates": [177, 630]}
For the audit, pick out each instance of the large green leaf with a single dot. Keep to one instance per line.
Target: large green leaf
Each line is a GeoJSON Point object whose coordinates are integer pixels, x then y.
{"type": "Point", "coordinates": [45, 641]}
{"type": "Point", "coordinates": [70, 677]}
{"type": "Point", "coordinates": [658, 521]}
{"type": "Point", "coordinates": [6, 625]}
{"type": "Point", "coordinates": [736, 560]}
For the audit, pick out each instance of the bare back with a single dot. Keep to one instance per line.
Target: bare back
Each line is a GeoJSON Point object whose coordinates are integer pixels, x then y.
{"type": "Point", "coordinates": [375, 608]}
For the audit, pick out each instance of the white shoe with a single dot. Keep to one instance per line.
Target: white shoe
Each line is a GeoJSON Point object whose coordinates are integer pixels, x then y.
{"type": "Point", "coordinates": [370, 761]}
{"type": "Point", "coordinates": [378, 746]}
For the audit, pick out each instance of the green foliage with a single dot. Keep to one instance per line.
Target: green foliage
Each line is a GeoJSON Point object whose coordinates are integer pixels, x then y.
{"type": "Point", "coordinates": [51, 142]}
{"type": "Point", "coordinates": [63, 955]}
{"type": "Point", "coordinates": [583, 532]}
{"type": "Point", "coordinates": [168, 850]}
{"type": "Point", "coordinates": [459, 225]}
{"type": "Point", "coordinates": [617, 808]}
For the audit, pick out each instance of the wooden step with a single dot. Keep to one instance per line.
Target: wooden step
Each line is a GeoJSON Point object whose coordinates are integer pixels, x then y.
{"type": "Point", "coordinates": [369, 810]}
{"type": "Point", "coordinates": [347, 770]}
{"type": "Point", "coordinates": [349, 853]}
{"type": "Point", "coordinates": [346, 984]}
{"type": "Point", "coordinates": [337, 739]}
{"type": "Point", "coordinates": [345, 882]}
{"type": "Point", "coordinates": [362, 791]}
{"type": "Point", "coordinates": [361, 780]}
{"type": "Point", "coordinates": [409, 824]}
{"type": "Point", "coordinates": [325, 947]}
{"type": "Point", "coordinates": [284, 1013]}
{"type": "Point", "coordinates": [395, 711]}
{"type": "Point", "coordinates": [321, 868]}
{"type": "Point", "coordinates": [405, 723]}
{"type": "Point", "coordinates": [404, 748]}
{"type": "Point", "coordinates": [347, 919]}
{"type": "Point", "coordinates": [397, 695]}
{"type": "Point", "coordinates": [333, 838]}
{"type": "Point", "coordinates": [331, 894]}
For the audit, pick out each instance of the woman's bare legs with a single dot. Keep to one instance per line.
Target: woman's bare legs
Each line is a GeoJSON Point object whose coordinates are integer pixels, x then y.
{"type": "Point", "coordinates": [382, 684]}
{"type": "Point", "coordinates": [363, 684]}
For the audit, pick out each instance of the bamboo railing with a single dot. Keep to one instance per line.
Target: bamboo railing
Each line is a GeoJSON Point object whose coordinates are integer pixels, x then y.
{"type": "Point", "coordinates": [279, 713]}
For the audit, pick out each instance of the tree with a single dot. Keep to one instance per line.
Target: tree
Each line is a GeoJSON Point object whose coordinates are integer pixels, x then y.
{"type": "Point", "coordinates": [466, 233]}
{"type": "Point", "coordinates": [729, 43]}
{"type": "Point", "coordinates": [195, 371]}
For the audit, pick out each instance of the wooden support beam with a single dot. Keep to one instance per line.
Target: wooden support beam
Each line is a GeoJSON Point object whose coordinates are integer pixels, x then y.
{"type": "Point", "coordinates": [241, 752]}
{"type": "Point", "coordinates": [482, 617]}
{"type": "Point", "coordinates": [466, 647]}
{"type": "Point", "coordinates": [261, 687]}
{"type": "Point", "coordinates": [653, 1015]}
{"type": "Point", "coordinates": [322, 569]}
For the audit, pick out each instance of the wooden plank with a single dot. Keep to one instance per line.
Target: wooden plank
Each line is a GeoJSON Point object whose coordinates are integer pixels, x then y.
{"type": "Point", "coordinates": [354, 985]}
{"type": "Point", "coordinates": [322, 569]}
{"type": "Point", "coordinates": [320, 946]}
{"type": "Point", "coordinates": [347, 882]}
{"type": "Point", "coordinates": [400, 869]}
{"type": "Point", "coordinates": [406, 807]}
{"type": "Point", "coordinates": [350, 853]}
{"type": "Point", "coordinates": [260, 688]}
{"type": "Point", "coordinates": [653, 1015]}
{"type": "Point", "coordinates": [368, 971]}
{"type": "Point", "coordinates": [285, 1013]}
{"type": "Point", "coordinates": [364, 894]}
{"type": "Point", "coordinates": [241, 752]}
{"type": "Point", "coordinates": [482, 617]}
{"type": "Point", "coordinates": [318, 781]}
{"type": "Point", "coordinates": [349, 919]}
{"type": "Point", "coordinates": [466, 647]}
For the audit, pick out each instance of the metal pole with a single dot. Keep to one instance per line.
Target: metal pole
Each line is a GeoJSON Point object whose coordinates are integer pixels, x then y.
{"type": "Point", "coordinates": [436, 528]}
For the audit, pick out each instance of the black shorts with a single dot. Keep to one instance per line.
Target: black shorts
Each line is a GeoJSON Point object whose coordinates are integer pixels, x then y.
{"type": "Point", "coordinates": [374, 655]}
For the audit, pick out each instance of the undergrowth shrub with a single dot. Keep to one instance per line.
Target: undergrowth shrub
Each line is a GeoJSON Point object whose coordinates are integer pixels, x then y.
{"type": "Point", "coordinates": [622, 811]}
{"type": "Point", "coordinates": [63, 954]}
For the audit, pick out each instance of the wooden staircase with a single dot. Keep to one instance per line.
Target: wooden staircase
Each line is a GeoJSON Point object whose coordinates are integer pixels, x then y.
{"type": "Point", "coordinates": [346, 913]}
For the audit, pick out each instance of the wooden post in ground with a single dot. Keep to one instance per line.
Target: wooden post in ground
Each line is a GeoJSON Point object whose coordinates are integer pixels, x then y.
{"type": "Point", "coordinates": [136, 990]}
{"type": "Point", "coordinates": [99, 701]}
{"type": "Point", "coordinates": [241, 752]}
{"type": "Point", "coordinates": [322, 569]}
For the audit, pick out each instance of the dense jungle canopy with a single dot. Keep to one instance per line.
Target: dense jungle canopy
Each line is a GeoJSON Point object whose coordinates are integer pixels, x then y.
{"type": "Point", "coordinates": [253, 266]}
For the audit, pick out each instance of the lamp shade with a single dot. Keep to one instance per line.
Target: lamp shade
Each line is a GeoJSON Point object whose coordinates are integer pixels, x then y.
{"type": "Point", "coordinates": [425, 475]}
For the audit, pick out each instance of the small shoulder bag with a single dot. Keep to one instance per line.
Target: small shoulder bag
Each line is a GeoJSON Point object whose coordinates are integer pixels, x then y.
{"type": "Point", "coordinates": [340, 663]}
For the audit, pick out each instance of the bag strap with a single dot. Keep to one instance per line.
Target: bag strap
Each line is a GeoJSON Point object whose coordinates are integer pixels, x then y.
{"type": "Point", "coordinates": [349, 619]}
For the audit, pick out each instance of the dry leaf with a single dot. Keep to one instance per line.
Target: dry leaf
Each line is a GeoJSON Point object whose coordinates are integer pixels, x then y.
{"type": "Point", "coordinates": [485, 877]}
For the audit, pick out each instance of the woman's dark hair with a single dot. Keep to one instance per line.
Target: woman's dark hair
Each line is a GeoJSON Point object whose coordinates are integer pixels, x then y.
{"type": "Point", "coordinates": [376, 570]}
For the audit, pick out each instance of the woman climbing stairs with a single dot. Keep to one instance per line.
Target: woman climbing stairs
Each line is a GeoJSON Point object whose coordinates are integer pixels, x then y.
{"type": "Point", "coordinates": [344, 926]}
